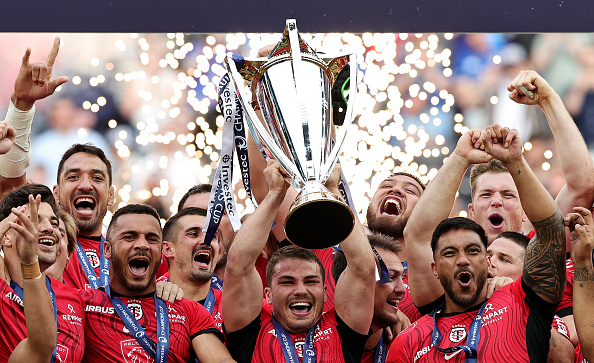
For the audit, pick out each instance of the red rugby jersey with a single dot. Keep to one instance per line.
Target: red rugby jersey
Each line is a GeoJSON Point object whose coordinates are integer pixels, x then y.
{"type": "Point", "coordinates": [334, 341]}
{"type": "Point", "coordinates": [516, 327]}
{"type": "Point", "coordinates": [108, 339]}
{"type": "Point", "coordinates": [70, 306]}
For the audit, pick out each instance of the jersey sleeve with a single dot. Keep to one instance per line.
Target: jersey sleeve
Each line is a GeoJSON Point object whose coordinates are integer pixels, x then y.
{"type": "Point", "coordinates": [200, 320]}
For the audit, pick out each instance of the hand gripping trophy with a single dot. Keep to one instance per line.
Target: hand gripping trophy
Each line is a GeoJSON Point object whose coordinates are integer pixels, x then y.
{"type": "Point", "coordinates": [292, 87]}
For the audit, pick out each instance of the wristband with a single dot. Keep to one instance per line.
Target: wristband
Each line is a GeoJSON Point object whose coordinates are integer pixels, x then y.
{"type": "Point", "coordinates": [31, 271]}
{"type": "Point", "coordinates": [14, 163]}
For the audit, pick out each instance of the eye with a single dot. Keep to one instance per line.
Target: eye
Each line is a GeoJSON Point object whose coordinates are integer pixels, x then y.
{"type": "Point", "coordinates": [153, 240]}
{"type": "Point", "coordinates": [193, 234]}
{"type": "Point", "coordinates": [448, 253]}
{"type": "Point", "coordinates": [504, 259]}
{"type": "Point", "coordinates": [485, 195]}
{"type": "Point", "coordinates": [72, 177]}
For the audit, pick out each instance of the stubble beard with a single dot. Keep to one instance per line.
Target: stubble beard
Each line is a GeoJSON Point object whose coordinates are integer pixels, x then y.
{"type": "Point", "coordinates": [388, 226]}
{"type": "Point", "coordinates": [464, 301]}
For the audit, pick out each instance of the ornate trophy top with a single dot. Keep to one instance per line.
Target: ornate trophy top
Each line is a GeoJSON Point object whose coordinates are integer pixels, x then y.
{"type": "Point", "coordinates": [252, 70]}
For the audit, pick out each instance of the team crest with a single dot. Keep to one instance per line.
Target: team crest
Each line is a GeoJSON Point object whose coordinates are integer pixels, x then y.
{"type": "Point", "coordinates": [61, 353]}
{"type": "Point", "coordinates": [299, 345]}
{"type": "Point", "coordinates": [135, 309]}
{"type": "Point", "coordinates": [457, 334]}
{"type": "Point", "coordinates": [93, 258]}
{"type": "Point", "coordinates": [133, 352]}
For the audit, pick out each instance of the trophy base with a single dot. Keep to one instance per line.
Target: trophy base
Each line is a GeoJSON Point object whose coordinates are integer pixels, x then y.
{"type": "Point", "coordinates": [318, 219]}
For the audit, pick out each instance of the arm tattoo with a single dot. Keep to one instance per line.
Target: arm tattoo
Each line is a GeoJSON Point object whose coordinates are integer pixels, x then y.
{"type": "Point", "coordinates": [584, 274]}
{"type": "Point", "coordinates": [519, 171]}
{"type": "Point", "coordinates": [544, 267]}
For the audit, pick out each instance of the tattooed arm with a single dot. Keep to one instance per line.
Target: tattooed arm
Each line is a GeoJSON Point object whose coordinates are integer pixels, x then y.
{"type": "Point", "coordinates": [544, 267]}
{"type": "Point", "coordinates": [581, 226]}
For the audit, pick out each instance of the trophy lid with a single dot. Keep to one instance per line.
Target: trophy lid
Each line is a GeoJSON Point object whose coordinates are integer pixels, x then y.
{"type": "Point", "coordinates": [252, 70]}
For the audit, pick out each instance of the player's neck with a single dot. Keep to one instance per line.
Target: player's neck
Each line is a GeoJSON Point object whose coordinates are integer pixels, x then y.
{"type": "Point", "coordinates": [220, 272]}
{"type": "Point", "coordinates": [118, 289]}
{"type": "Point", "coordinates": [192, 290]}
{"type": "Point", "coordinates": [374, 338]}
{"type": "Point", "coordinates": [452, 307]}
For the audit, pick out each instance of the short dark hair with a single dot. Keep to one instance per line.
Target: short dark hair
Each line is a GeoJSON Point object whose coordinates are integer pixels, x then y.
{"type": "Point", "coordinates": [292, 252]}
{"type": "Point", "coordinates": [88, 149]}
{"type": "Point", "coordinates": [196, 189]}
{"type": "Point", "coordinates": [454, 224]}
{"type": "Point", "coordinates": [171, 225]}
{"type": "Point", "coordinates": [71, 230]}
{"type": "Point", "coordinates": [493, 166]}
{"type": "Point", "coordinates": [20, 196]}
{"type": "Point", "coordinates": [516, 237]}
{"type": "Point", "coordinates": [377, 240]}
{"type": "Point", "coordinates": [416, 178]}
{"type": "Point", "coordinates": [131, 209]}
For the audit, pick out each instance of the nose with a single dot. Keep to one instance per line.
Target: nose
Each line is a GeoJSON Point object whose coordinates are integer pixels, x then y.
{"type": "Point", "coordinates": [396, 189]}
{"type": "Point", "coordinates": [462, 260]}
{"type": "Point", "coordinates": [496, 200]}
{"type": "Point", "coordinates": [44, 225]}
{"type": "Point", "coordinates": [299, 288]}
{"type": "Point", "coordinates": [85, 183]}
{"type": "Point", "coordinates": [141, 243]}
{"type": "Point", "coordinates": [399, 287]}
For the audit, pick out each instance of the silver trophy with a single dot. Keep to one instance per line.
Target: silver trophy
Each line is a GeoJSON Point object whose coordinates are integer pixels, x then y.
{"type": "Point", "coordinates": [292, 88]}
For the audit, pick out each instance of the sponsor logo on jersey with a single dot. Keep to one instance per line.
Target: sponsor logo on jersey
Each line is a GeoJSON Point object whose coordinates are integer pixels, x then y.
{"type": "Point", "coordinates": [100, 309]}
{"type": "Point", "coordinates": [457, 334]}
{"type": "Point", "coordinates": [132, 352]}
{"type": "Point", "coordinates": [494, 314]}
{"type": "Point", "coordinates": [135, 309]}
{"type": "Point", "coordinates": [449, 356]}
{"type": "Point", "coordinates": [93, 258]}
{"type": "Point", "coordinates": [61, 353]}
{"type": "Point", "coordinates": [14, 297]}
{"type": "Point", "coordinates": [422, 352]}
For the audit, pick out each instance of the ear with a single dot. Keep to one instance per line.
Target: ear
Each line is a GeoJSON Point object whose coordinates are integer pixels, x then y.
{"type": "Point", "coordinates": [268, 295]}
{"type": "Point", "coordinates": [107, 250]}
{"type": "Point", "coordinates": [524, 217]}
{"type": "Point", "coordinates": [57, 194]}
{"type": "Point", "coordinates": [471, 211]}
{"type": "Point", "coordinates": [111, 196]}
{"type": "Point", "coordinates": [6, 241]}
{"type": "Point", "coordinates": [325, 293]}
{"type": "Point", "coordinates": [168, 250]}
{"type": "Point", "coordinates": [434, 269]}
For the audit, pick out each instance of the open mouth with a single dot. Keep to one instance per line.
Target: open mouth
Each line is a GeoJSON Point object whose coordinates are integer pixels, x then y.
{"type": "Point", "coordinates": [300, 308]}
{"type": "Point", "coordinates": [138, 266]}
{"type": "Point", "coordinates": [464, 279]}
{"type": "Point", "coordinates": [84, 205]}
{"type": "Point", "coordinates": [203, 258]}
{"type": "Point", "coordinates": [496, 220]}
{"type": "Point", "coordinates": [392, 206]}
{"type": "Point", "coordinates": [46, 241]}
{"type": "Point", "coordinates": [393, 302]}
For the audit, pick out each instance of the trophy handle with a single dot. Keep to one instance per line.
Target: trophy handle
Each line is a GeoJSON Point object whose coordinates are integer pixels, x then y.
{"type": "Point", "coordinates": [341, 136]}
{"type": "Point", "coordinates": [254, 123]}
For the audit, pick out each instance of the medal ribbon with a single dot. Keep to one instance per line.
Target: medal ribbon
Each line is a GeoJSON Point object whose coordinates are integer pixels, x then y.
{"type": "Point", "coordinates": [216, 282]}
{"type": "Point", "coordinates": [472, 340]}
{"type": "Point", "coordinates": [288, 348]}
{"type": "Point", "coordinates": [380, 350]}
{"type": "Point", "coordinates": [159, 351]}
{"type": "Point", "coordinates": [19, 291]}
{"type": "Point", "coordinates": [88, 268]}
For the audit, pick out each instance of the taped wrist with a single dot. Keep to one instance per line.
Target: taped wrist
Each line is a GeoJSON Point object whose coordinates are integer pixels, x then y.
{"type": "Point", "coordinates": [14, 163]}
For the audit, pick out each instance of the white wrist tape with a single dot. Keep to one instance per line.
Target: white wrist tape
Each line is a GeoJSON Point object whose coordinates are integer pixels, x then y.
{"type": "Point", "coordinates": [14, 163]}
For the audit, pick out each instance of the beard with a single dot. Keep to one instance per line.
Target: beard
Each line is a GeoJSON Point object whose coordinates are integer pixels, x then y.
{"type": "Point", "coordinates": [89, 226]}
{"type": "Point", "coordinates": [195, 274]}
{"type": "Point", "coordinates": [464, 300]}
{"type": "Point", "coordinates": [119, 270]}
{"type": "Point", "coordinates": [393, 227]}
{"type": "Point", "coordinates": [222, 262]}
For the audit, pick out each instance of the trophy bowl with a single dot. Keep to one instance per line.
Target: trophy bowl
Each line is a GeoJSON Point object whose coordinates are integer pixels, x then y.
{"type": "Point", "coordinates": [292, 88]}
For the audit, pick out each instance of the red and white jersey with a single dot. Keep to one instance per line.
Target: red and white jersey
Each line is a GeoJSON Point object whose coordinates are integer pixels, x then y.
{"type": "Point", "coordinates": [407, 305]}
{"type": "Point", "coordinates": [74, 274]}
{"type": "Point", "coordinates": [334, 341]}
{"type": "Point", "coordinates": [508, 315]}
{"type": "Point", "coordinates": [108, 339]}
{"type": "Point", "coordinates": [71, 315]}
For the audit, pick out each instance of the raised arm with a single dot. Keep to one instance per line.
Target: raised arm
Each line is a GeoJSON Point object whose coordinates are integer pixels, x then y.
{"type": "Point", "coordinates": [582, 237]}
{"type": "Point", "coordinates": [33, 83]}
{"type": "Point", "coordinates": [358, 278]}
{"type": "Point", "coordinates": [39, 313]}
{"type": "Point", "coordinates": [438, 198]}
{"type": "Point", "coordinates": [576, 161]}
{"type": "Point", "coordinates": [242, 300]}
{"type": "Point", "coordinates": [544, 266]}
